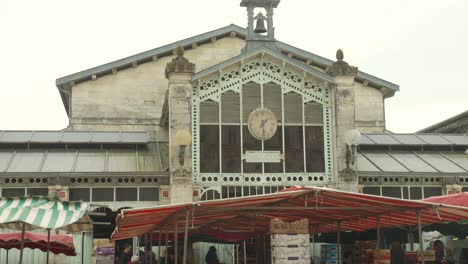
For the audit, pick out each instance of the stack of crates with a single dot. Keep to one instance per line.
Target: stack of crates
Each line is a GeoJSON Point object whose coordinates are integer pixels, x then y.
{"type": "Point", "coordinates": [291, 248]}
{"type": "Point", "coordinates": [330, 254]}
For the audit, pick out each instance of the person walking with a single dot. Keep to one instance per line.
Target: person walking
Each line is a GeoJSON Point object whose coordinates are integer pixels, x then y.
{"type": "Point", "coordinates": [126, 254]}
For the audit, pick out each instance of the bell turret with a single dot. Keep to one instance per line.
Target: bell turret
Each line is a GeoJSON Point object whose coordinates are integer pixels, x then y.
{"type": "Point", "coordinates": [260, 27]}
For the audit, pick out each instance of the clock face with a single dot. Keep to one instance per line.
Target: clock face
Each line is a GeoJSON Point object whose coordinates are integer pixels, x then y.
{"type": "Point", "coordinates": [262, 124]}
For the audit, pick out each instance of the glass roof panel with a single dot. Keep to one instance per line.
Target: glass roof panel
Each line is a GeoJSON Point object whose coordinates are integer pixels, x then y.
{"type": "Point", "coordinates": [26, 161]}
{"type": "Point", "coordinates": [46, 136]}
{"type": "Point", "coordinates": [364, 164]}
{"type": "Point", "coordinates": [413, 162]}
{"type": "Point", "coordinates": [5, 157]}
{"type": "Point", "coordinates": [409, 139]}
{"type": "Point", "coordinates": [457, 139]}
{"type": "Point", "coordinates": [90, 160]}
{"type": "Point", "coordinates": [148, 160]}
{"type": "Point", "coordinates": [433, 139]}
{"type": "Point", "coordinates": [76, 136]}
{"type": "Point", "coordinates": [164, 154]}
{"type": "Point", "coordinates": [365, 140]}
{"type": "Point", "coordinates": [460, 159]}
{"type": "Point", "coordinates": [384, 162]}
{"type": "Point", "coordinates": [383, 139]}
{"type": "Point", "coordinates": [106, 137]}
{"type": "Point", "coordinates": [122, 160]}
{"type": "Point", "coordinates": [440, 162]}
{"type": "Point", "coordinates": [15, 136]}
{"type": "Point", "coordinates": [59, 161]}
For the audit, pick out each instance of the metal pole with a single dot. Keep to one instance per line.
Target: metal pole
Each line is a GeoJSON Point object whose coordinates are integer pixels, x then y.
{"type": "Point", "coordinates": [176, 250]}
{"type": "Point", "coordinates": [420, 237]}
{"type": "Point", "coordinates": [167, 245]}
{"type": "Point", "coordinates": [82, 247]}
{"type": "Point", "coordinates": [378, 238]}
{"type": "Point", "coordinates": [159, 245]}
{"type": "Point", "coordinates": [184, 261]}
{"type": "Point", "coordinates": [245, 253]}
{"type": "Point", "coordinates": [7, 256]}
{"type": "Point", "coordinates": [237, 253]}
{"type": "Point", "coordinates": [338, 242]}
{"type": "Point", "coordinates": [22, 244]}
{"type": "Point", "coordinates": [48, 245]}
{"type": "Point", "coordinates": [151, 248]}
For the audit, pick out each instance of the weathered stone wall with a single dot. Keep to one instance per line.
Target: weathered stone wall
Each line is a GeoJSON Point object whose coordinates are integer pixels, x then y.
{"type": "Point", "coordinates": [132, 99]}
{"type": "Point", "coordinates": [369, 110]}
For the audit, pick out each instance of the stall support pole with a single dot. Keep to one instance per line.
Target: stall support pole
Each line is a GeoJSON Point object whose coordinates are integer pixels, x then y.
{"type": "Point", "coordinates": [420, 237]}
{"type": "Point", "coordinates": [22, 244]}
{"type": "Point", "coordinates": [159, 246]}
{"type": "Point", "coordinates": [82, 247]}
{"type": "Point", "coordinates": [48, 245]}
{"type": "Point", "coordinates": [338, 242]}
{"type": "Point", "coordinates": [237, 254]}
{"type": "Point", "coordinates": [151, 248]}
{"type": "Point", "coordinates": [411, 238]}
{"type": "Point", "coordinates": [176, 250]}
{"type": "Point", "coordinates": [378, 238]}
{"type": "Point", "coordinates": [167, 245]}
{"type": "Point", "coordinates": [184, 260]}
{"type": "Point", "coordinates": [245, 252]}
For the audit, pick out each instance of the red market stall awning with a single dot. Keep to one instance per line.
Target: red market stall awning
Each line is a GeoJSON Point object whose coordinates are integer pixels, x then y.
{"type": "Point", "coordinates": [459, 199]}
{"type": "Point", "coordinates": [59, 244]}
{"type": "Point", "coordinates": [327, 210]}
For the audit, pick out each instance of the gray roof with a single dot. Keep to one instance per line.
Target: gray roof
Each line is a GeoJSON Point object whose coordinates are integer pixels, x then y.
{"type": "Point", "coordinates": [385, 139]}
{"type": "Point", "coordinates": [450, 123]}
{"type": "Point", "coordinates": [69, 137]}
{"type": "Point", "coordinates": [255, 52]}
{"type": "Point", "coordinates": [149, 158]}
{"type": "Point", "coordinates": [201, 39]}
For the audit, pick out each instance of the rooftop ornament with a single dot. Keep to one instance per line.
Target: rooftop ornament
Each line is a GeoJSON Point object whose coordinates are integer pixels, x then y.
{"type": "Point", "coordinates": [352, 139]}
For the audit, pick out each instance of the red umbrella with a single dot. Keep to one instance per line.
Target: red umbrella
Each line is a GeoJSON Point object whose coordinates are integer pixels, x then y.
{"type": "Point", "coordinates": [59, 244]}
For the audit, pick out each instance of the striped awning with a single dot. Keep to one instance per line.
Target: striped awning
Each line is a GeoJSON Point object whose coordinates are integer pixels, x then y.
{"type": "Point", "coordinates": [43, 212]}
{"type": "Point", "coordinates": [326, 209]}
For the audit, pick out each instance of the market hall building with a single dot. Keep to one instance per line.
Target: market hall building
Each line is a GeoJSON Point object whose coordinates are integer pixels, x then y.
{"type": "Point", "coordinates": [228, 113]}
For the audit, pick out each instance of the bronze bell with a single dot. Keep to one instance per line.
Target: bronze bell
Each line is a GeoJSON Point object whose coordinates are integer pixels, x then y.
{"type": "Point", "coordinates": [260, 28]}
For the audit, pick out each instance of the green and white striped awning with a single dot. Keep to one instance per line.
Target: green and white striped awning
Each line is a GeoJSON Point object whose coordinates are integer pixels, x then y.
{"type": "Point", "coordinates": [43, 212]}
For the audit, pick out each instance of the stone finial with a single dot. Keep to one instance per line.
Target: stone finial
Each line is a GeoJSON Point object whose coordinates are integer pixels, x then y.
{"type": "Point", "coordinates": [340, 67]}
{"type": "Point", "coordinates": [179, 64]}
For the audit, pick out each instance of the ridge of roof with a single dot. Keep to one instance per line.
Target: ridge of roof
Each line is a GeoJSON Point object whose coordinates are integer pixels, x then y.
{"type": "Point", "coordinates": [255, 52]}
{"type": "Point", "coordinates": [444, 122]}
{"type": "Point", "coordinates": [166, 50]}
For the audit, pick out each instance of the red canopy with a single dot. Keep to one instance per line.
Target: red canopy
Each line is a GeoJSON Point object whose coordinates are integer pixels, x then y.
{"type": "Point", "coordinates": [326, 209]}
{"type": "Point", "coordinates": [59, 244]}
{"type": "Point", "coordinates": [459, 199]}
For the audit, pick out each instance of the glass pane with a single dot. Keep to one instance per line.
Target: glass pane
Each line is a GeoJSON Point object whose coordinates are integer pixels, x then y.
{"type": "Point", "coordinates": [457, 139]}
{"type": "Point", "coordinates": [134, 137]}
{"type": "Point", "coordinates": [38, 191]}
{"type": "Point", "coordinates": [415, 193]}
{"type": "Point", "coordinates": [433, 139]}
{"type": "Point", "coordinates": [371, 190]}
{"type": "Point", "coordinates": [46, 136]}
{"type": "Point", "coordinates": [250, 99]}
{"type": "Point", "coordinates": [103, 194]}
{"type": "Point", "coordinates": [384, 161]}
{"type": "Point", "coordinates": [460, 159]}
{"type": "Point", "coordinates": [13, 192]}
{"type": "Point", "coordinates": [149, 194]}
{"type": "Point", "coordinates": [315, 155]}
{"type": "Point", "coordinates": [383, 139]}
{"type": "Point", "coordinates": [230, 104]}
{"type": "Point", "coordinates": [275, 143]}
{"type": "Point", "coordinates": [164, 155]}
{"type": "Point", "coordinates": [79, 194]}
{"type": "Point", "coordinates": [26, 162]}
{"type": "Point", "coordinates": [59, 161]}
{"type": "Point", "coordinates": [251, 143]}
{"type": "Point", "coordinates": [364, 164]}
{"type": "Point", "coordinates": [126, 194]}
{"type": "Point", "coordinates": [294, 152]}
{"type": "Point", "coordinates": [106, 136]}
{"type": "Point", "coordinates": [121, 160]}
{"type": "Point", "coordinates": [405, 192]}
{"type": "Point", "coordinates": [412, 162]}
{"type": "Point", "coordinates": [209, 112]}
{"type": "Point", "coordinates": [391, 192]}
{"type": "Point", "coordinates": [5, 157]}
{"type": "Point", "coordinates": [439, 162]}
{"type": "Point", "coordinates": [15, 136]}
{"type": "Point", "coordinates": [408, 139]}
{"type": "Point", "coordinates": [313, 113]}
{"type": "Point", "coordinates": [293, 109]}
{"type": "Point", "coordinates": [432, 191]}
{"type": "Point", "coordinates": [364, 140]}
{"type": "Point", "coordinates": [148, 158]}
{"type": "Point", "coordinates": [231, 149]}
{"type": "Point", "coordinates": [209, 149]}
{"type": "Point", "coordinates": [76, 137]}
{"type": "Point", "coordinates": [90, 160]}
{"type": "Point", "coordinates": [272, 99]}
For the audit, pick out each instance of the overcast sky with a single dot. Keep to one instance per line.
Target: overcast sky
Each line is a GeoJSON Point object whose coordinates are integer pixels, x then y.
{"type": "Point", "coordinates": [417, 44]}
